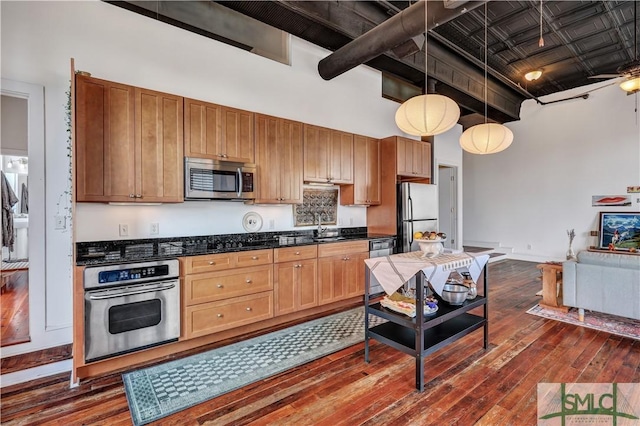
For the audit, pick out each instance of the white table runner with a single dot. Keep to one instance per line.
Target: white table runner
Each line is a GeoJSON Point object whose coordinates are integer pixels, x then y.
{"type": "Point", "coordinates": [392, 272]}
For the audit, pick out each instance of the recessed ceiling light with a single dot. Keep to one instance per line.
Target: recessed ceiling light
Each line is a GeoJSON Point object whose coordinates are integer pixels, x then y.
{"type": "Point", "coordinates": [533, 75]}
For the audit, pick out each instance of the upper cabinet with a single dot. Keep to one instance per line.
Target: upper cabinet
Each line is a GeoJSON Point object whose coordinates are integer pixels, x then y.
{"type": "Point", "coordinates": [413, 158]}
{"type": "Point", "coordinates": [218, 132]}
{"type": "Point", "coordinates": [366, 180]}
{"type": "Point", "coordinates": [328, 155]}
{"type": "Point", "coordinates": [279, 160]}
{"type": "Point", "coordinates": [129, 143]}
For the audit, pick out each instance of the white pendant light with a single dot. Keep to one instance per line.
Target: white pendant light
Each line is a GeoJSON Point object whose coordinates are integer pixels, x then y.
{"type": "Point", "coordinates": [428, 114]}
{"type": "Point", "coordinates": [486, 138]}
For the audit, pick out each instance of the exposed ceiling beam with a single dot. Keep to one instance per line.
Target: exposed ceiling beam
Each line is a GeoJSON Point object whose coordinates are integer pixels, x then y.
{"type": "Point", "coordinates": [388, 35]}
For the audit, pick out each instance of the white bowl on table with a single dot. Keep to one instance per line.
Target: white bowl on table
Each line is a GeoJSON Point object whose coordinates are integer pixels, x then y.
{"type": "Point", "coordinates": [430, 248]}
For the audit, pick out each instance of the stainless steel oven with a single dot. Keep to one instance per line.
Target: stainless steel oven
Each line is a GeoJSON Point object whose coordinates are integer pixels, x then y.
{"type": "Point", "coordinates": [218, 180]}
{"type": "Point", "coordinates": [129, 307]}
{"type": "Point", "coordinates": [380, 247]}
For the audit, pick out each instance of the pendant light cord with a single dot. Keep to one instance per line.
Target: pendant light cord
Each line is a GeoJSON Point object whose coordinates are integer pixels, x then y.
{"type": "Point", "coordinates": [541, 41]}
{"type": "Point", "coordinates": [485, 62]}
{"type": "Point", "coordinates": [426, 57]}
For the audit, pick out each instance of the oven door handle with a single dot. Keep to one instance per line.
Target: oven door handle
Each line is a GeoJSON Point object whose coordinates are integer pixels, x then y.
{"type": "Point", "coordinates": [123, 293]}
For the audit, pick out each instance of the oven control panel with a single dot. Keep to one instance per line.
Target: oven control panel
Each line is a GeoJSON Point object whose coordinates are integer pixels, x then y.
{"type": "Point", "coordinates": [128, 274]}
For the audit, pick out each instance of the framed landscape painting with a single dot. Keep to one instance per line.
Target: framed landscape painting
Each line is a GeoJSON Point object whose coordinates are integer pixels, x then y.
{"type": "Point", "coordinates": [620, 230]}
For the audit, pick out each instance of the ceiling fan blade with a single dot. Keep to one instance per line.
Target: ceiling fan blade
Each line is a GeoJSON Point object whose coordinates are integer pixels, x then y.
{"type": "Point", "coordinates": [606, 76]}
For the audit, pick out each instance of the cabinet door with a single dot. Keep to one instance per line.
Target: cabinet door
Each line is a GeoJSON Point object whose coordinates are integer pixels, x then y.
{"type": "Point", "coordinates": [404, 157]}
{"type": "Point", "coordinates": [202, 129]}
{"type": "Point", "coordinates": [354, 279]}
{"type": "Point", "coordinates": [317, 142]}
{"type": "Point", "coordinates": [373, 171]}
{"type": "Point", "coordinates": [267, 159]}
{"type": "Point", "coordinates": [307, 284]}
{"type": "Point", "coordinates": [360, 151]}
{"type": "Point", "coordinates": [295, 286]}
{"type": "Point", "coordinates": [423, 154]}
{"type": "Point", "coordinates": [289, 148]}
{"type": "Point", "coordinates": [237, 141]}
{"type": "Point", "coordinates": [341, 157]}
{"type": "Point", "coordinates": [159, 147]}
{"type": "Point", "coordinates": [331, 271]}
{"type": "Point", "coordinates": [105, 160]}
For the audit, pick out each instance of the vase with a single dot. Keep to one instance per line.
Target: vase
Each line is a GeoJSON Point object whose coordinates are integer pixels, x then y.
{"type": "Point", "coordinates": [570, 254]}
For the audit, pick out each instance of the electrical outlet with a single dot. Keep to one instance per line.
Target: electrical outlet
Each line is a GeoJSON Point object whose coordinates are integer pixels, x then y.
{"type": "Point", "coordinates": [529, 246]}
{"type": "Point", "coordinates": [351, 221]}
{"type": "Point", "coordinates": [272, 224]}
{"type": "Point", "coordinates": [154, 229]}
{"type": "Point", "coordinates": [124, 230]}
{"type": "Point", "coordinates": [60, 222]}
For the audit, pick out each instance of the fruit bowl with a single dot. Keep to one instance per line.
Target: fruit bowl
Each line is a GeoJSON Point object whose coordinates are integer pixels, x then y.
{"type": "Point", "coordinates": [430, 248]}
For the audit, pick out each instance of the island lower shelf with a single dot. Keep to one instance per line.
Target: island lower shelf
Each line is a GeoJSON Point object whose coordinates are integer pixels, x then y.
{"type": "Point", "coordinates": [404, 338]}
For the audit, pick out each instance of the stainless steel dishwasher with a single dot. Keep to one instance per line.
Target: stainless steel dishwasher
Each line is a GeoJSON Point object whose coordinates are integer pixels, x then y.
{"type": "Point", "coordinates": [379, 247]}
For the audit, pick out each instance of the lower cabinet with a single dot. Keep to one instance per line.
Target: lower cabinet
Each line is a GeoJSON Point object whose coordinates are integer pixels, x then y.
{"type": "Point", "coordinates": [295, 279]}
{"type": "Point", "coordinates": [341, 271]}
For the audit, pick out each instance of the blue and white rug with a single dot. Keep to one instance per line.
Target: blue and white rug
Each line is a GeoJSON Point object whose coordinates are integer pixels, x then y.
{"type": "Point", "coordinates": [158, 391]}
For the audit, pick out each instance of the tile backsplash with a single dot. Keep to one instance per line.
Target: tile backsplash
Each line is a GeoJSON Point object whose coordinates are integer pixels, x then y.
{"type": "Point", "coordinates": [317, 201]}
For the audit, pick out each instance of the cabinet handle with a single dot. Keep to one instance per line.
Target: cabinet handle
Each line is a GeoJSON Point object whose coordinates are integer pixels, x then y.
{"type": "Point", "coordinates": [297, 253]}
{"type": "Point", "coordinates": [346, 258]}
{"type": "Point", "coordinates": [249, 309]}
{"type": "Point", "coordinates": [211, 262]}
{"type": "Point", "coordinates": [254, 257]}
{"type": "Point", "coordinates": [248, 281]}
{"type": "Point", "coordinates": [220, 286]}
{"type": "Point", "coordinates": [138, 195]}
{"type": "Point", "coordinates": [297, 266]}
{"type": "Point", "coordinates": [132, 196]}
{"type": "Point", "coordinates": [220, 315]}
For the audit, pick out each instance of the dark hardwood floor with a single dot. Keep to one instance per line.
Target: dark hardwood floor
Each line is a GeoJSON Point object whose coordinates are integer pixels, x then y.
{"type": "Point", "coordinates": [14, 319]}
{"type": "Point", "coordinates": [465, 384]}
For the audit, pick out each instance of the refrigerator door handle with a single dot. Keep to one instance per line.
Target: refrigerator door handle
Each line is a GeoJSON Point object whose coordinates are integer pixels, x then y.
{"type": "Point", "coordinates": [410, 235]}
{"type": "Point", "coordinates": [410, 209]}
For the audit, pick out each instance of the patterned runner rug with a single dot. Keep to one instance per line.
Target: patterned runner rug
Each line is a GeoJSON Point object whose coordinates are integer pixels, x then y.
{"type": "Point", "coordinates": [158, 391]}
{"type": "Point", "coordinates": [621, 326]}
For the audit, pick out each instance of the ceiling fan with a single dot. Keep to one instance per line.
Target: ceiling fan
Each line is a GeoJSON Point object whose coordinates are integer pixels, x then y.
{"type": "Point", "coordinates": [630, 71]}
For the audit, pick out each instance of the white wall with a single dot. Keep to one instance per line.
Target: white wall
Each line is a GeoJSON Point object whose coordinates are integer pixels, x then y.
{"type": "Point", "coordinates": [563, 153]}
{"type": "Point", "coordinates": [38, 40]}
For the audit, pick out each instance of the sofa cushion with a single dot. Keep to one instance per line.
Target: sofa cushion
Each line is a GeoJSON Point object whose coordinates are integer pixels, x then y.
{"type": "Point", "coordinates": [614, 260]}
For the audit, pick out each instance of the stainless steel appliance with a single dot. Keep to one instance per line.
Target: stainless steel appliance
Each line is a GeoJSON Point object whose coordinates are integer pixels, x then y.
{"type": "Point", "coordinates": [206, 179]}
{"type": "Point", "coordinates": [380, 247]}
{"type": "Point", "coordinates": [130, 306]}
{"type": "Point", "coordinates": [417, 211]}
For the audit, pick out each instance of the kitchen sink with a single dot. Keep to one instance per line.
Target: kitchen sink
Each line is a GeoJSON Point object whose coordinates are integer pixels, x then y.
{"type": "Point", "coordinates": [328, 239]}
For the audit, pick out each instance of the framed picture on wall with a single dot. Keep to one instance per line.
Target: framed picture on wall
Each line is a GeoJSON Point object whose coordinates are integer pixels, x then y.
{"type": "Point", "coordinates": [619, 230]}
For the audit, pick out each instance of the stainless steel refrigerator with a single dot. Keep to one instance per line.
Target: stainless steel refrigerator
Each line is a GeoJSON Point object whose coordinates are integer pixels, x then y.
{"type": "Point", "coordinates": [417, 211]}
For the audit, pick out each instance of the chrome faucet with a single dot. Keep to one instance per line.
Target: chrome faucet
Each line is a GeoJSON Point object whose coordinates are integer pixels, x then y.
{"type": "Point", "coordinates": [321, 230]}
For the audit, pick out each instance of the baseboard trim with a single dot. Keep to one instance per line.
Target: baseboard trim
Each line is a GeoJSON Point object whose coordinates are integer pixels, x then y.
{"type": "Point", "coordinates": [35, 359]}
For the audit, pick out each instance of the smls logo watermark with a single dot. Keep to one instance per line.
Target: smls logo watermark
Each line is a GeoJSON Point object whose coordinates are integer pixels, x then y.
{"type": "Point", "coordinates": [566, 404]}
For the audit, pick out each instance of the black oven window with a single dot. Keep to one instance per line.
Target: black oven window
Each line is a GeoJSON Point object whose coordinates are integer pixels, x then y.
{"type": "Point", "coordinates": [134, 316]}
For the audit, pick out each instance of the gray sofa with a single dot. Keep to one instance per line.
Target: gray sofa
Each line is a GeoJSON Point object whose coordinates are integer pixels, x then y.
{"type": "Point", "coordinates": [603, 282]}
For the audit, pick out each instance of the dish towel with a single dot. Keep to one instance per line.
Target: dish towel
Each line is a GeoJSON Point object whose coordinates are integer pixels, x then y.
{"type": "Point", "coordinates": [392, 272]}
{"type": "Point", "coordinates": [9, 199]}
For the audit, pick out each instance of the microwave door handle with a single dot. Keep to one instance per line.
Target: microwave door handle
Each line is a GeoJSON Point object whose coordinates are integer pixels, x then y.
{"type": "Point", "coordinates": [150, 289]}
{"type": "Point", "coordinates": [240, 183]}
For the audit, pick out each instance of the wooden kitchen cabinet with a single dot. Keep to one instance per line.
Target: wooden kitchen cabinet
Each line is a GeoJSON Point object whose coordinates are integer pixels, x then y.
{"type": "Point", "coordinates": [128, 144]}
{"type": "Point", "coordinates": [328, 155]}
{"type": "Point", "coordinates": [341, 270]}
{"type": "Point", "coordinates": [366, 180]}
{"type": "Point", "coordinates": [413, 158]}
{"type": "Point", "coordinates": [279, 160]}
{"type": "Point", "coordinates": [218, 132]}
{"type": "Point", "coordinates": [295, 281]}
{"type": "Point", "coordinates": [226, 290]}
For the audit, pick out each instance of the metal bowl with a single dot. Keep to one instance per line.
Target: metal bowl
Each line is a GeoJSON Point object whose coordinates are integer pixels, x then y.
{"type": "Point", "coordinates": [454, 294]}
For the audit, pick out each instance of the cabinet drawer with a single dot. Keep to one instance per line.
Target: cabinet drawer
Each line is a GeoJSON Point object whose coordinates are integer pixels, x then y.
{"type": "Point", "coordinates": [209, 263]}
{"type": "Point", "coordinates": [289, 254]}
{"type": "Point", "coordinates": [254, 258]}
{"type": "Point", "coordinates": [334, 249]}
{"type": "Point", "coordinates": [214, 317]}
{"type": "Point", "coordinates": [212, 286]}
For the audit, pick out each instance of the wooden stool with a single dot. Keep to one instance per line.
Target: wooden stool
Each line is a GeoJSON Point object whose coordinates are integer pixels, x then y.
{"type": "Point", "coordinates": [5, 280]}
{"type": "Point", "coordinates": [552, 286]}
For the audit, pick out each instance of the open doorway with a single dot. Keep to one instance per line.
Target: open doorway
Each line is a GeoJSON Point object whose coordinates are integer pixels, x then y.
{"type": "Point", "coordinates": [14, 173]}
{"type": "Point", "coordinates": [448, 204]}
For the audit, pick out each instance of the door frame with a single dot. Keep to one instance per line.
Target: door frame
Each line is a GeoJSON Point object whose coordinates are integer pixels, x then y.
{"type": "Point", "coordinates": [454, 196]}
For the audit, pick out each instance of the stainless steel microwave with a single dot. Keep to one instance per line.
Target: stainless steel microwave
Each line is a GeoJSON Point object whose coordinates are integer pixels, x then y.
{"type": "Point", "coordinates": [206, 179]}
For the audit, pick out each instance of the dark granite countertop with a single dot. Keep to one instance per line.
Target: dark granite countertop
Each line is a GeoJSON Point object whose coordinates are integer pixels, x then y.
{"type": "Point", "coordinates": [124, 251]}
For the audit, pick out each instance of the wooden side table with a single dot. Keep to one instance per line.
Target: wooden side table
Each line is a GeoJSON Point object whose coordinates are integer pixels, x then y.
{"type": "Point", "coordinates": [552, 286]}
